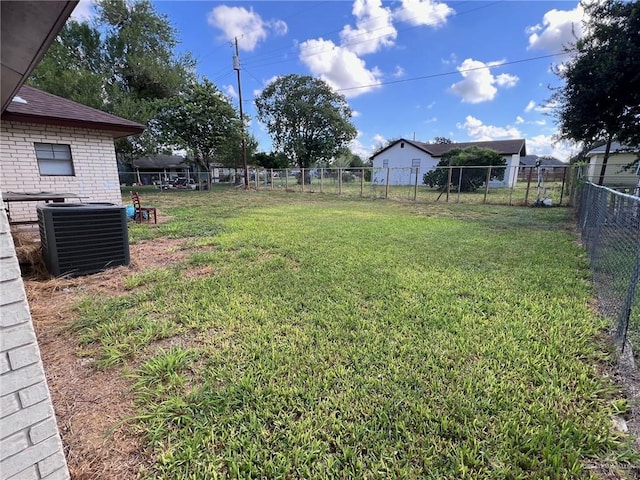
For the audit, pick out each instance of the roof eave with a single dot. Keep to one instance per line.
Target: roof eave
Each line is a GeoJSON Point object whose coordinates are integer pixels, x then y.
{"type": "Point", "coordinates": [117, 130]}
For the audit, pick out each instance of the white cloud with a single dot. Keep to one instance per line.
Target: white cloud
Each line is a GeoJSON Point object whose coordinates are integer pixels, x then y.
{"type": "Point", "coordinates": [280, 27]}
{"type": "Point", "coordinates": [559, 29]}
{"type": "Point", "coordinates": [258, 91]}
{"type": "Point", "coordinates": [84, 11]}
{"type": "Point", "coordinates": [506, 80]}
{"type": "Point", "coordinates": [378, 140]}
{"type": "Point", "coordinates": [339, 67]}
{"type": "Point", "coordinates": [478, 83]}
{"type": "Point", "coordinates": [530, 106]}
{"type": "Point", "coordinates": [355, 114]}
{"type": "Point", "coordinates": [399, 72]}
{"type": "Point", "coordinates": [246, 25]}
{"type": "Point", "coordinates": [358, 148]}
{"type": "Point", "coordinates": [230, 90]}
{"type": "Point", "coordinates": [481, 132]}
{"type": "Point", "coordinates": [374, 28]}
{"type": "Point", "coordinates": [548, 145]}
{"type": "Point", "coordinates": [423, 12]}
{"type": "Point", "coordinates": [519, 120]}
{"type": "Point", "coordinates": [452, 60]}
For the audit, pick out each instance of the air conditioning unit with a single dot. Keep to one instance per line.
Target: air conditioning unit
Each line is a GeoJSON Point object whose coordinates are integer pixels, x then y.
{"type": "Point", "coordinates": [83, 238]}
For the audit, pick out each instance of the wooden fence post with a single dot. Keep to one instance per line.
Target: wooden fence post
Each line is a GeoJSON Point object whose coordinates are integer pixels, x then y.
{"type": "Point", "coordinates": [486, 184]}
{"type": "Point", "coordinates": [449, 183]}
{"type": "Point", "coordinates": [386, 187]}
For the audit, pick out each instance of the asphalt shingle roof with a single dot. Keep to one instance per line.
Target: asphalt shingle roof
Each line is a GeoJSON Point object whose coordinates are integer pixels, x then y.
{"type": "Point", "coordinates": [161, 161]}
{"type": "Point", "coordinates": [503, 147]}
{"type": "Point", "coordinates": [31, 105]}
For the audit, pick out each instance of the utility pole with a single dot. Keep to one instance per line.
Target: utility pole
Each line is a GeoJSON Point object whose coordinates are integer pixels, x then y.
{"type": "Point", "coordinates": [236, 67]}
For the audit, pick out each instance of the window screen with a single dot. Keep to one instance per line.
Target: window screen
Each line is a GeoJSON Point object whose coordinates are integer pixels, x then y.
{"type": "Point", "coordinates": [54, 159]}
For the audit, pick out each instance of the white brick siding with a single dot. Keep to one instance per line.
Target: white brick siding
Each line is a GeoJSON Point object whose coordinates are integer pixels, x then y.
{"type": "Point", "coordinates": [30, 445]}
{"type": "Point", "coordinates": [94, 163]}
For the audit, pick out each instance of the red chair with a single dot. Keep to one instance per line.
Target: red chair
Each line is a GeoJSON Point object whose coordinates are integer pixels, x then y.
{"type": "Point", "coordinates": [140, 212]}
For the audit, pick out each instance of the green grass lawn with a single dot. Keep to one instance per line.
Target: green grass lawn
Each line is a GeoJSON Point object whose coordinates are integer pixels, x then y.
{"type": "Point", "coordinates": [345, 338]}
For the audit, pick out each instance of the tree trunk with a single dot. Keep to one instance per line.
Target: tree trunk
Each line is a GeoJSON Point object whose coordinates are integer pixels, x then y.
{"type": "Point", "coordinates": [605, 159]}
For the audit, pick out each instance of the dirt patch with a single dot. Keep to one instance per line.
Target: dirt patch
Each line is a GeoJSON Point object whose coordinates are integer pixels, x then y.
{"type": "Point", "coordinates": [92, 407]}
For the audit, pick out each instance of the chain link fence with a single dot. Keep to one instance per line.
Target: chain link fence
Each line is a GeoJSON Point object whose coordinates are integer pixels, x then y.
{"type": "Point", "coordinates": [609, 221]}
{"type": "Point", "coordinates": [532, 186]}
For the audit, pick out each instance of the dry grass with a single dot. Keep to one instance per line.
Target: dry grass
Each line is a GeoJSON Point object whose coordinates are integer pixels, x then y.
{"type": "Point", "coordinates": [92, 406]}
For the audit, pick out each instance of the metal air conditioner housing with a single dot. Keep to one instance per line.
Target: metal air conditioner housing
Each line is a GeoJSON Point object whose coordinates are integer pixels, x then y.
{"type": "Point", "coordinates": [83, 238]}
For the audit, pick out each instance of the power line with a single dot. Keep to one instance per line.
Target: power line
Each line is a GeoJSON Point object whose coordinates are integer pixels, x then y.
{"type": "Point", "coordinates": [444, 74]}
{"type": "Point", "coordinates": [452, 72]}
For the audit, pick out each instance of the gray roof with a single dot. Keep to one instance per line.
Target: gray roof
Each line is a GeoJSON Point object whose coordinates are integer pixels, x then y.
{"type": "Point", "coordinates": [161, 161]}
{"type": "Point", "coordinates": [530, 161]}
{"type": "Point", "coordinates": [503, 147]}
{"type": "Point", "coordinates": [616, 147]}
{"type": "Point", "coordinates": [31, 105]}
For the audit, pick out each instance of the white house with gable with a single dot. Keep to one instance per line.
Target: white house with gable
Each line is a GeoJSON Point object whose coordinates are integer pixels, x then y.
{"type": "Point", "coordinates": [405, 160]}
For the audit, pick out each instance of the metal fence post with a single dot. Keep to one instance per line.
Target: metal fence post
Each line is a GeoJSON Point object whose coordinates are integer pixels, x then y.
{"type": "Point", "coordinates": [625, 313]}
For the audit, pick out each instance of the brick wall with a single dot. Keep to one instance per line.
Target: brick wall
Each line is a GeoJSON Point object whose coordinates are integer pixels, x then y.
{"type": "Point", "coordinates": [94, 162]}
{"type": "Point", "coordinates": [30, 445]}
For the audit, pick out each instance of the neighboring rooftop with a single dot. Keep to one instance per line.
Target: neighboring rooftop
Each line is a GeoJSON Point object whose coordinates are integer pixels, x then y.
{"type": "Point", "coordinates": [530, 161]}
{"type": "Point", "coordinates": [31, 105]}
{"type": "Point", "coordinates": [160, 161]}
{"type": "Point", "coordinates": [616, 147]}
{"type": "Point", "coordinates": [503, 147]}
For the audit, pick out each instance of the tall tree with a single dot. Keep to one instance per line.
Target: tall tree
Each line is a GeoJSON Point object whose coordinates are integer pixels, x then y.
{"type": "Point", "coordinates": [201, 121]}
{"type": "Point", "coordinates": [74, 66]}
{"type": "Point", "coordinates": [125, 64]}
{"type": "Point", "coordinates": [306, 119]}
{"type": "Point", "coordinates": [600, 99]}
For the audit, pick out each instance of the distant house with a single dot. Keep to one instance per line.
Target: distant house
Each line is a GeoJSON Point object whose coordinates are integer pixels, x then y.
{"type": "Point", "coordinates": [618, 172]}
{"type": "Point", "coordinates": [160, 168]}
{"type": "Point", "coordinates": [552, 168]}
{"type": "Point", "coordinates": [405, 160]}
{"type": "Point", "coordinates": [51, 144]}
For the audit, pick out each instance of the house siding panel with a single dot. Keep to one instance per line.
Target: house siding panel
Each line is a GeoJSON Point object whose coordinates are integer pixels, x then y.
{"type": "Point", "coordinates": [399, 162]}
{"type": "Point", "coordinates": [94, 162]}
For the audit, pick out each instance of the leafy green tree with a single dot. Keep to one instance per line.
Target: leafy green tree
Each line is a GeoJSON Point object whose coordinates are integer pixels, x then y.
{"type": "Point", "coordinates": [271, 160]}
{"type": "Point", "coordinates": [230, 152]}
{"type": "Point", "coordinates": [124, 64]}
{"type": "Point", "coordinates": [74, 66]}
{"type": "Point", "coordinates": [472, 178]}
{"type": "Point", "coordinates": [306, 119]}
{"type": "Point", "coordinates": [201, 120]}
{"type": "Point", "coordinates": [600, 99]}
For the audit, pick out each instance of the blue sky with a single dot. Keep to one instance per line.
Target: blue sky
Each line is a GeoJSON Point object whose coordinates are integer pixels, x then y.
{"type": "Point", "coordinates": [466, 70]}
